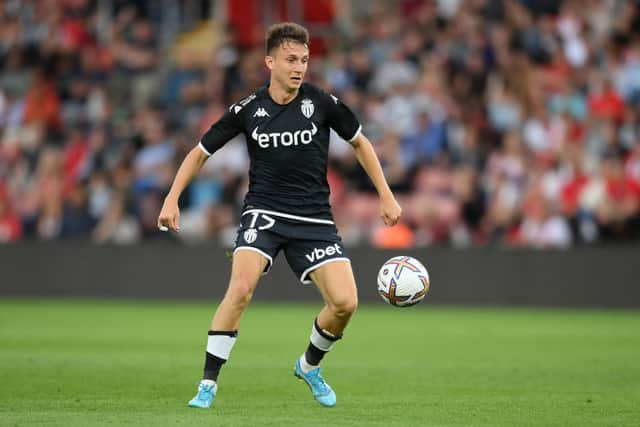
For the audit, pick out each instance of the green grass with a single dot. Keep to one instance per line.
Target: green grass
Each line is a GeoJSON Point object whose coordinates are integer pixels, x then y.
{"type": "Point", "coordinates": [137, 363]}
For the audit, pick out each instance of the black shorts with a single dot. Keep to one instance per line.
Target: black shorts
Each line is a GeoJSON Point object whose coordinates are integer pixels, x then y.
{"type": "Point", "coordinates": [307, 243]}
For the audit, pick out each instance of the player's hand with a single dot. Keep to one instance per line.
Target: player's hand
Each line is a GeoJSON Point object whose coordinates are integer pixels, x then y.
{"type": "Point", "coordinates": [169, 218]}
{"type": "Point", "coordinates": [390, 211]}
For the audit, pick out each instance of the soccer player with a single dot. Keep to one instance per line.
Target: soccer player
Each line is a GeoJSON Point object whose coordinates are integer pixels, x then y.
{"type": "Point", "coordinates": [286, 124]}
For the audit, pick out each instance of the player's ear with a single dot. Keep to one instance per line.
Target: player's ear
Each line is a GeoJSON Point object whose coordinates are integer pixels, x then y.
{"type": "Point", "coordinates": [268, 60]}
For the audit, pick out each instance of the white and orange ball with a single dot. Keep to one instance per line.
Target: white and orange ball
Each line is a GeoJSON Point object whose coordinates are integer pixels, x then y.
{"type": "Point", "coordinates": [403, 281]}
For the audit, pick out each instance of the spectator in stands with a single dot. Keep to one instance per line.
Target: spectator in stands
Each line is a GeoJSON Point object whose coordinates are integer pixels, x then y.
{"type": "Point", "coordinates": [498, 122]}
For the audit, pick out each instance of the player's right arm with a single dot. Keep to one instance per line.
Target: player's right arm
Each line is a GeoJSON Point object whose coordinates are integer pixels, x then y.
{"type": "Point", "coordinates": [219, 134]}
{"type": "Point", "coordinates": [170, 214]}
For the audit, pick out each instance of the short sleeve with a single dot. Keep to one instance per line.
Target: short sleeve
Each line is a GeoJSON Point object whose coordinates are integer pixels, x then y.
{"type": "Point", "coordinates": [225, 129]}
{"type": "Point", "coordinates": [342, 119]}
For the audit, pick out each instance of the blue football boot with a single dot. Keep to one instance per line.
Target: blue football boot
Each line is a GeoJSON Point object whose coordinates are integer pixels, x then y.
{"type": "Point", "coordinates": [205, 396]}
{"type": "Point", "coordinates": [320, 389]}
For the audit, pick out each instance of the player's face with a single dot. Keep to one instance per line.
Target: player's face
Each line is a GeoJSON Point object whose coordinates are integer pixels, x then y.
{"type": "Point", "coordinates": [288, 64]}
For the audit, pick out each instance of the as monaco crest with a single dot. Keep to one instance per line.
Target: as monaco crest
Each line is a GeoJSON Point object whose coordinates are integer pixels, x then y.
{"type": "Point", "coordinates": [250, 235]}
{"type": "Point", "coordinates": [307, 108]}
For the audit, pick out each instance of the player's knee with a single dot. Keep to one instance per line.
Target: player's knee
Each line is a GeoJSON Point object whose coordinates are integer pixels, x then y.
{"type": "Point", "coordinates": [241, 290]}
{"type": "Point", "coordinates": [344, 307]}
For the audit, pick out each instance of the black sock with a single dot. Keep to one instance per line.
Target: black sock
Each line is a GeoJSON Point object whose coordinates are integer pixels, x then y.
{"type": "Point", "coordinates": [322, 338]}
{"type": "Point", "coordinates": [219, 346]}
{"type": "Point", "coordinates": [314, 355]}
{"type": "Point", "coordinates": [212, 367]}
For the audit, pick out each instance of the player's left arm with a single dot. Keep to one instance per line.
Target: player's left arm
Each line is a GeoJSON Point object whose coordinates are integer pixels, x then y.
{"type": "Point", "coordinates": [390, 209]}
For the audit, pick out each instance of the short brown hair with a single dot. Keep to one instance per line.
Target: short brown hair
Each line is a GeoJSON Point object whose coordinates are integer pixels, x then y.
{"type": "Point", "coordinates": [284, 32]}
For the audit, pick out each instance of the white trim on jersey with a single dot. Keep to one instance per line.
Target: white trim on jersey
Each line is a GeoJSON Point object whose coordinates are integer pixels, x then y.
{"type": "Point", "coordinates": [264, 254]}
{"type": "Point", "coordinates": [204, 149]}
{"type": "Point", "coordinates": [313, 267]}
{"type": "Point", "coordinates": [356, 134]}
{"type": "Point", "coordinates": [289, 216]}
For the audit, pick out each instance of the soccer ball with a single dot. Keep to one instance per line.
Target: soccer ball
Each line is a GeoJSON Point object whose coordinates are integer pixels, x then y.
{"type": "Point", "coordinates": [403, 281]}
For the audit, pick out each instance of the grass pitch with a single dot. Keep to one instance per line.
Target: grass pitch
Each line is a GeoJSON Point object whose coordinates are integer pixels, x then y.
{"type": "Point", "coordinates": [82, 363]}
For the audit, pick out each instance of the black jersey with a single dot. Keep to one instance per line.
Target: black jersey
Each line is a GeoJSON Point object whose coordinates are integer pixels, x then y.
{"type": "Point", "coordinates": [288, 148]}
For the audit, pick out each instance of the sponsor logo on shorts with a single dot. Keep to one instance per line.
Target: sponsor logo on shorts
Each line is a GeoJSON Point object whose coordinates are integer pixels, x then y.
{"type": "Point", "coordinates": [318, 253]}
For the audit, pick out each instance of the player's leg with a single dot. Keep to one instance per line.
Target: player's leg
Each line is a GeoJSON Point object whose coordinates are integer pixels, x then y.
{"type": "Point", "coordinates": [246, 269]}
{"type": "Point", "coordinates": [336, 283]}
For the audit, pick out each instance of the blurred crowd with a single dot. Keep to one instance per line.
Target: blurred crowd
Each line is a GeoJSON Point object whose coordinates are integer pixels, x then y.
{"type": "Point", "coordinates": [498, 122]}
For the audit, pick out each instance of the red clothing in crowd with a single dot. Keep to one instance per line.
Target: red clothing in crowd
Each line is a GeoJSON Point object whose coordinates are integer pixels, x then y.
{"type": "Point", "coordinates": [10, 228]}
{"type": "Point", "coordinates": [42, 105]}
{"type": "Point", "coordinates": [622, 189]}
{"type": "Point", "coordinates": [607, 105]}
{"type": "Point", "coordinates": [74, 161]}
{"type": "Point", "coordinates": [10, 225]}
{"type": "Point", "coordinates": [570, 194]}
